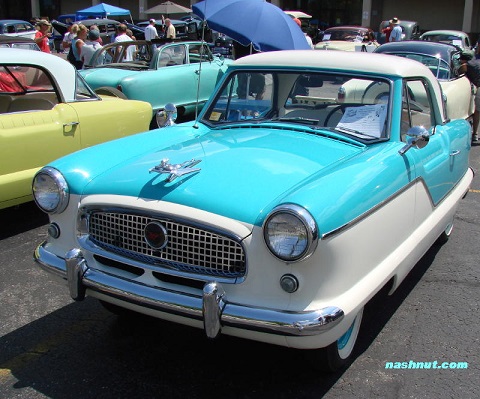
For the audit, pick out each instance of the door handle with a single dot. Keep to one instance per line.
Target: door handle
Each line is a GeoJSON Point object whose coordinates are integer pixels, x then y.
{"type": "Point", "coordinates": [71, 124]}
{"type": "Point", "coordinates": [453, 153]}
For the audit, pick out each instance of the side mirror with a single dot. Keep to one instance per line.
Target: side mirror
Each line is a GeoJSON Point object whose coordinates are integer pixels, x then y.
{"type": "Point", "coordinates": [418, 137]}
{"type": "Point", "coordinates": [167, 116]}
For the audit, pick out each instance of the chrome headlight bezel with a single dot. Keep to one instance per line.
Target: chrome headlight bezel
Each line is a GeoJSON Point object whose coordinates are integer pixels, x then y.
{"type": "Point", "coordinates": [50, 190]}
{"type": "Point", "coordinates": [166, 116]}
{"type": "Point", "coordinates": [290, 218]}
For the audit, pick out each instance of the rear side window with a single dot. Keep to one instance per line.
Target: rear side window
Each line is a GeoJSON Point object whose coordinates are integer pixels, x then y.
{"type": "Point", "coordinates": [24, 79]}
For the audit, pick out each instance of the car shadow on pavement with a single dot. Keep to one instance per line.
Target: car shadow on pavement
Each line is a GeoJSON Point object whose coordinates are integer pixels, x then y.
{"type": "Point", "coordinates": [81, 351]}
{"type": "Point", "coordinates": [21, 218]}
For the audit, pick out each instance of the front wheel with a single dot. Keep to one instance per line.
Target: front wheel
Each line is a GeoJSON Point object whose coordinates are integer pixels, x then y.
{"type": "Point", "coordinates": [336, 355]}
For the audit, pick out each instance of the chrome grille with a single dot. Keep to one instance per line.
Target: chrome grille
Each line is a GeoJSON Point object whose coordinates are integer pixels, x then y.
{"type": "Point", "coordinates": [189, 248]}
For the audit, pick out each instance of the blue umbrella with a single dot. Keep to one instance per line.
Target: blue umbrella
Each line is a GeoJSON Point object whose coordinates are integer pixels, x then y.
{"type": "Point", "coordinates": [255, 22]}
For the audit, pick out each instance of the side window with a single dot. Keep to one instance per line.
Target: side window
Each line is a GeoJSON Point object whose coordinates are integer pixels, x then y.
{"type": "Point", "coordinates": [172, 55]}
{"type": "Point", "coordinates": [197, 52]}
{"type": "Point", "coordinates": [178, 55]}
{"type": "Point", "coordinates": [83, 91]}
{"type": "Point", "coordinates": [416, 106]}
{"type": "Point", "coordinates": [10, 29]}
{"type": "Point", "coordinates": [21, 79]}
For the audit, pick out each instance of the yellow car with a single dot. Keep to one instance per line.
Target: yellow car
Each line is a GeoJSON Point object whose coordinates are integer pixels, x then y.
{"type": "Point", "coordinates": [47, 111]}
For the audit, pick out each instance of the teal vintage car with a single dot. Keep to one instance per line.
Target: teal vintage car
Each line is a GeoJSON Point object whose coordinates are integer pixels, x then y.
{"type": "Point", "coordinates": [278, 213]}
{"type": "Point", "coordinates": [184, 73]}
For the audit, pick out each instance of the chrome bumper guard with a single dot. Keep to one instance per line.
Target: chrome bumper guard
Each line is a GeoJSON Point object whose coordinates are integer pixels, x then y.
{"type": "Point", "coordinates": [212, 306]}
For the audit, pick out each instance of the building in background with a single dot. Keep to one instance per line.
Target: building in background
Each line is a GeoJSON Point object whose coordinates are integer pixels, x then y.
{"type": "Point", "coordinates": [439, 14]}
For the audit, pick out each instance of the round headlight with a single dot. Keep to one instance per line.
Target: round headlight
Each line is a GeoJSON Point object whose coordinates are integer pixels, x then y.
{"type": "Point", "coordinates": [50, 190]}
{"type": "Point", "coordinates": [290, 232]}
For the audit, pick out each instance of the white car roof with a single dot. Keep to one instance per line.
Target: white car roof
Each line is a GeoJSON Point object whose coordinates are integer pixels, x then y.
{"type": "Point", "coordinates": [298, 14]}
{"type": "Point", "coordinates": [62, 71]}
{"type": "Point", "coordinates": [445, 32]}
{"type": "Point", "coordinates": [346, 61]}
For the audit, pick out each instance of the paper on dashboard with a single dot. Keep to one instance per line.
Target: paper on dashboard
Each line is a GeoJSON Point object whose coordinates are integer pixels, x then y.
{"type": "Point", "coordinates": [366, 119]}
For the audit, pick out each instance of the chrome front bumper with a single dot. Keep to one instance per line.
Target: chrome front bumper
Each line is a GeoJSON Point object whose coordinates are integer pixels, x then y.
{"type": "Point", "coordinates": [212, 306]}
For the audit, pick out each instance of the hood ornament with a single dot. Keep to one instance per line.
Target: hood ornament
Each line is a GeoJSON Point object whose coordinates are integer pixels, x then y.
{"type": "Point", "coordinates": [175, 170]}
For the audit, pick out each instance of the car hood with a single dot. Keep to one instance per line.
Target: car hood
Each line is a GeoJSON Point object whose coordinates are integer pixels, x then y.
{"type": "Point", "coordinates": [242, 173]}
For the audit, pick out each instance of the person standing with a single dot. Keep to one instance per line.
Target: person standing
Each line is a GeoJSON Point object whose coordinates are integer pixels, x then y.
{"type": "Point", "coordinates": [68, 37]}
{"type": "Point", "coordinates": [151, 31]}
{"type": "Point", "coordinates": [42, 36]}
{"type": "Point", "coordinates": [308, 38]}
{"type": "Point", "coordinates": [91, 45]}
{"type": "Point", "coordinates": [396, 34]}
{"type": "Point", "coordinates": [471, 68]}
{"type": "Point", "coordinates": [170, 29]}
{"type": "Point", "coordinates": [77, 43]}
{"type": "Point", "coordinates": [477, 49]}
{"type": "Point", "coordinates": [99, 40]}
{"type": "Point", "coordinates": [123, 37]}
{"type": "Point", "coordinates": [387, 31]}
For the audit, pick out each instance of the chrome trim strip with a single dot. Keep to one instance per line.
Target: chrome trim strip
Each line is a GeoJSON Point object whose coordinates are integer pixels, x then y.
{"type": "Point", "coordinates": [381, 204]}
{"type": "Point", "coordinates": [49, 262]}
{"type": "Point", "coordinates": [211, 306]}
{"type": "Point", "coordinates": [389, 199]}
{"type": "Point", "coordinates": [87, 245]}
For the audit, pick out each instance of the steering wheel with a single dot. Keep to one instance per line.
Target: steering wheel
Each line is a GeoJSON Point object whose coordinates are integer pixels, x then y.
{"type": "Point", "coordinates": [340, 108]}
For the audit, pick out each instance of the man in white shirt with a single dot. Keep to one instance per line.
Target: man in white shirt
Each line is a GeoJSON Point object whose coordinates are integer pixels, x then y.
{"type": "Point", "coordinates": [151, 31]}
{"type": "Point", "coordinates": [123, 37]}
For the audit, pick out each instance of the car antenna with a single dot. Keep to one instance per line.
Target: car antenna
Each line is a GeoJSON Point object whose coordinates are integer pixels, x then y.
{"type": "Point", "coordinates": [199, 72]}
{"type": "Point", "coordinates": [202, 50]}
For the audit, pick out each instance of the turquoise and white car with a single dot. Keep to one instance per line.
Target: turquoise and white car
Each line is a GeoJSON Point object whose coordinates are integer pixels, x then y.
{"type": "Point", "coordinates": [184, 73]}
{"type": "Point", "coordinates": [277, 215]}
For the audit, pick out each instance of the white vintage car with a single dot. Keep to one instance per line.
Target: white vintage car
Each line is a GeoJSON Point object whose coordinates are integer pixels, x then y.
{"type": "Point", "coordinates": [278, 214]}
{"type": "Point", "coordinates": [443, 61]}
{"type": "Point", "coordinates": [345, 38]}
{"type": "Point", "coordinates": [455, 37]}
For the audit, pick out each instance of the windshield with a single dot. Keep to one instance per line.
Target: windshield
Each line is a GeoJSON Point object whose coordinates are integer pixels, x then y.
{"type": "Point", "coordinates": [130, 54]}
{"type": "Point", "coordinates": [347, 105]}
{"type": "Point", "coordinates": [444, 38]}
{"type": "Point", "coordinates": [347, 35]}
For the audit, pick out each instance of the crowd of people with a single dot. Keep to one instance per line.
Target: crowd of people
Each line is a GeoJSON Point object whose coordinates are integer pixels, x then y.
{"type": "Point", "coordinates": [81, 42]}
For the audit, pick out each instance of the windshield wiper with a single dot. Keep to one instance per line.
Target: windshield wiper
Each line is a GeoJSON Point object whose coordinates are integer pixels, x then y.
{"type": "Point", "coordinates": [355, 133]}
{"type": "Point", "coordinates": [299, 119]}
